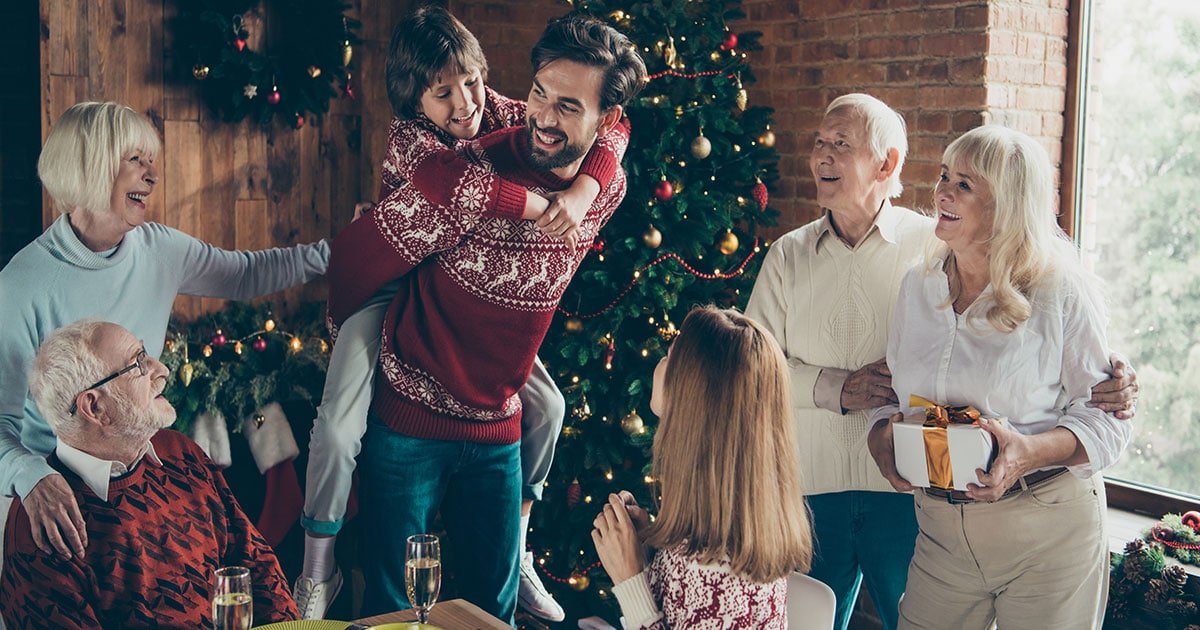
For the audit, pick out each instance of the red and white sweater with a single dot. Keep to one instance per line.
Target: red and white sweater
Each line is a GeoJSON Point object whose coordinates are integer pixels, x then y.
{"type": "Point", "coordinates": [676, 591]}
{"type": "Point", "coordinates": [152, 549]}
{"type": "Point", "coordinates": [481, 287]}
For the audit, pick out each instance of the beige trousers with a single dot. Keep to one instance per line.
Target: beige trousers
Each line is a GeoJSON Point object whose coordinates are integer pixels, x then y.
{"type": "Point", "coordinates": [1036, 560]}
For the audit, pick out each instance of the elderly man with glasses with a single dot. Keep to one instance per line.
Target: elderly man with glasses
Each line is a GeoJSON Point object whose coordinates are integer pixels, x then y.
{"type": "Point", "coordinates": [159, 515]}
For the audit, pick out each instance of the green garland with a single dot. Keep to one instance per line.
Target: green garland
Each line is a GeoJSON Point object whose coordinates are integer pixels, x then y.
{"type": "Point", "coordinates": [311, 50]}
{"type": "Point", "coordinates": [237, 360]}
{"type": "Point", "coordinates": [1142, 584]}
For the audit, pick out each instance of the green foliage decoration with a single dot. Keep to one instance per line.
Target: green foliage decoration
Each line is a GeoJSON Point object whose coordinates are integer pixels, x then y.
{"type": "Point", "coordinates": [305, 58]}
{"type": "Point", "coordinates": [290, 366]}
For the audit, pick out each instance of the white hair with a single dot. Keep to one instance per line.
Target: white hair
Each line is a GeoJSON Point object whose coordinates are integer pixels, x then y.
{"type": "Point", "coordinates": [1027, 248]}
{"type": "Point", "coordinates": [65, 364]}
{"type": "Point", "coordinates": [82, 155]}
{"type": "Point", "coordinates": [885, 130]}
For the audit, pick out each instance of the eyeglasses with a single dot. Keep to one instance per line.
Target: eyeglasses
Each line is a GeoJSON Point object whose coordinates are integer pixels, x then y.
{"type": "Point", "coordinates": [140, 363]}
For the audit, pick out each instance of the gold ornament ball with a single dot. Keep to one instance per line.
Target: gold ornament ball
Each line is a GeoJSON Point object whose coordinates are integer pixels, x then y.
{"type": "Point", "coordinates": [701, 147]}
{"type": "Point", "coordinates": [579, 582]}
{"type": "Point", "coordinates": [715, 56]}
{"type": "Point", "coordinates": [269, 325]}
{"type": "Point", "coordinates": [200, 71]}
{"type": "Point", "coordinates": [632, 424]}
{"type": "Point", "coordinates": [169, 345]}
{"type": "Point", "coordinates": [347, 52]}
{"type": "Point", "coordinates": [574, 324]}
{"type": "Point", "coordinates": [652, 238]}
{"type": "Point", "coordinates": [729, 243]}
{"type": "Point", "coordinates": [767, 139]}
{"type": "Point", "coordinates": [185, 374]}
{"type": "Point", "coordinates": [314, 71]}
{"type": "Point", "coordinates": [206, 350]}
{"type": "Point", "coordinates": [296, 344]}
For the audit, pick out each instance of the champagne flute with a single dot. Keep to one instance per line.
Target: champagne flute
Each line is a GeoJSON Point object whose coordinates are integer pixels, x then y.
{"type": "Point", "coordinates": [423, 573]}
{"type": "Point", "coordinates": [232, 606]}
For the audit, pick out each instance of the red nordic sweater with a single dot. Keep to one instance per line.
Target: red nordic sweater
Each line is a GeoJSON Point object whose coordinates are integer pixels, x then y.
{"type": "Point", "coordinates": [152, 549]}
{"type": "Point", "coordinates": [461, 334]}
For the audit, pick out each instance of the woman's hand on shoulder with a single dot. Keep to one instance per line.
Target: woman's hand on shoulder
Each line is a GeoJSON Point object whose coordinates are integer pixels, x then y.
{"type": "Point", "coordinates": [616, 540]}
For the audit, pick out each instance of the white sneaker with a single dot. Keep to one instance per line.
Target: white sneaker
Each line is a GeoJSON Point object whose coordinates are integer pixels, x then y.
{"type": "Point", "coordinates": [532, 596]}
{"type": "Point", "coordinates": [313, 598]}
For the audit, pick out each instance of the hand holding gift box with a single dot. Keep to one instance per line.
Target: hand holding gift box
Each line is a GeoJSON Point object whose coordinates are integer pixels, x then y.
{"type": "Point", "coordinates": [941, 447]}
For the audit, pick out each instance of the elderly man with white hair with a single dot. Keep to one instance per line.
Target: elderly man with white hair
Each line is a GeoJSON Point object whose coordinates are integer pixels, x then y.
{"type": "Point", "coordinates": [826, 291]}
{"type": "Point", "coordinates": [159, 516]}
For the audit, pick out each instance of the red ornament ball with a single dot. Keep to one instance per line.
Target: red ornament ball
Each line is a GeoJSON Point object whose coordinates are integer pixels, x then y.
{"type": "Point", "coordinates": [299, 121]}
{"type": "Point", "coordinates": [274, 97]}
{"type": "Point", "coordinates": [664, 190]}
{"type": "Point", "coordinates": [219, 340]}
{"type": "Point", "coordinates": [259, 345]}
{"type": "Point", "coordinates": [730, 42]}
{"type": "Point", "coordinates": [1192, 519]}
{"type": "Point", "coordinates": [760, 194]}
{"type": "Point", "coordinates": [240, 44]}
{"type": "Point", "coordinates": [598, 246]}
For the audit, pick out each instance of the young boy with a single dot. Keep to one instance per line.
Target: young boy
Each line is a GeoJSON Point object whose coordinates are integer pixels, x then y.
{"type": "Point", "coordinates": [436, 74]}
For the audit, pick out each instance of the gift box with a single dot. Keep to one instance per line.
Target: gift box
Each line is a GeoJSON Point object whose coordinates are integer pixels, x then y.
{"type": "Point", "coordinates": [941, 447]}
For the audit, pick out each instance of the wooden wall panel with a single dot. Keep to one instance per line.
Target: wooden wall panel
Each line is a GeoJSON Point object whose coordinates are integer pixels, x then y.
{"type": "Point", "coordinates": [237, 186]}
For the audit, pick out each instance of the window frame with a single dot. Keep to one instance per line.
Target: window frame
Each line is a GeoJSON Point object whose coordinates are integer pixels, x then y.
{"type": "Point", "coordinates": [1124, 495]}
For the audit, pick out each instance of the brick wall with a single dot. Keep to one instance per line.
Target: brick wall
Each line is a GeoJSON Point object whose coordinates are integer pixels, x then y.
{"type": "Point", "coordinates": [945, 65]}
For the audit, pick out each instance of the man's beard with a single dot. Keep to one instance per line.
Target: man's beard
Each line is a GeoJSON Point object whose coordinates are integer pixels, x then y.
{"type": "Point", "coordinates": [550, 161]}
{"type": "Point", "coordinates": [141, 423]}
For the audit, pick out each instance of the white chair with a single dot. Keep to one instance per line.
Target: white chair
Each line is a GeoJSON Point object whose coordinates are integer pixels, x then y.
{"type": "Point", "coordinates": [810, 604]}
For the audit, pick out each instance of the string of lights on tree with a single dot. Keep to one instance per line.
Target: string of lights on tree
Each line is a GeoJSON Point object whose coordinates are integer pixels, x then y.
{"type": "Point", "coordinates": [311, 50]}
{"type": "Point", "coordinates": [699, 164]}
{"type": "Point", "coordinates": [235, 361]}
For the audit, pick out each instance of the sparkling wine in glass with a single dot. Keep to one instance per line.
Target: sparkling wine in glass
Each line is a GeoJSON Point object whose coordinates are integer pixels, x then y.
{"type": "Point", "coordinates": [232, 606]}
{"type": "Point", "coordinates": [423, 573]}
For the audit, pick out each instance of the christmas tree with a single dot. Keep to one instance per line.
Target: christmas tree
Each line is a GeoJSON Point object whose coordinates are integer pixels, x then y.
{"type": "Point", "coordinates": [698, 166]}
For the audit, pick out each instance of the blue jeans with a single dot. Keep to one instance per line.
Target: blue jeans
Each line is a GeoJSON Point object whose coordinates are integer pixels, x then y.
{"type": "Point", "coordinates": [859, 535]}
{"type": "Point", "coordinates": [478, 488]}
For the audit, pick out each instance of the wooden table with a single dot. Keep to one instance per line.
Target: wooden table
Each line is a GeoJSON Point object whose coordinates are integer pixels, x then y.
{"type": "Point", "coordinates": [455, 614]}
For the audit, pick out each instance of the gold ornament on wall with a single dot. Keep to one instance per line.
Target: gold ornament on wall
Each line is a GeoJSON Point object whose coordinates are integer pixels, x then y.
{"type": "Point", "coordinates": [185, 374]}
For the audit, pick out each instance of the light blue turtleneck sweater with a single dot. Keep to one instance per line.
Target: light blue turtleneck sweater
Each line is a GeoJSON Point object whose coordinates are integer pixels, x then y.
{"type": "Point", "coordinates": [56, 280]}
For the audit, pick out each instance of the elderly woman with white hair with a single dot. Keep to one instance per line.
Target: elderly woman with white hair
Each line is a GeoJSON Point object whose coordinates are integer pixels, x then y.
{"type": "Point", "coordinates": [1003, 317]}
{"type": "Point", "coordinates": [101, 258]}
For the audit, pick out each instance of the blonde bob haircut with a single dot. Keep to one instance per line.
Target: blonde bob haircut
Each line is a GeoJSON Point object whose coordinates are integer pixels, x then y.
{"type": "Point", "coordinates": [885, 130]}
{"type": "Point", "coordinates": [83, 153]}
{"type": "Point", "coordinates": [724, 456]}
{"type": "Point", "coordinates": [1027, 247]}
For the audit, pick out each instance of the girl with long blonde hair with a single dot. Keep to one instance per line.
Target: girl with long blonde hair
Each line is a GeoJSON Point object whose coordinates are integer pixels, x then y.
{"type": "Point", "coordinates": [732, 523]}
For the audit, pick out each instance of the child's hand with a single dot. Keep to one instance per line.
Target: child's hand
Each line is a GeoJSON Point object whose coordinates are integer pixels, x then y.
{"type": "Point", "coordinates": [637, 514]}
{"type": "Point", "coordinates": [563, 216]}
{"type": "Point", "coordinates": [360, 209]}
{"type": "Point", "coordinates": [616, 541]}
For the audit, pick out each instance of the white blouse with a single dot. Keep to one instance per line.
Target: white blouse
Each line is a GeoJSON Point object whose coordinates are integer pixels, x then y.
{"type": "Point", "coordinates": [1038, 377]}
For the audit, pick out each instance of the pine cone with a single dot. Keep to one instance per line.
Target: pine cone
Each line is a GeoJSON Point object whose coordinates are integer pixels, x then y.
{"type": "Point", "coordinates": [1135, 547]}
{"type": "Point", "coordinates": [1176, 576]}
{"type": "Point", "coordinates": [1182, 608]}
{"type": "Point", "coordinates": [1118, 607]}
{"type": "Point", "coordinates": [1133, 570]}
{"type": "Point", "coordinates": [1158, 592]}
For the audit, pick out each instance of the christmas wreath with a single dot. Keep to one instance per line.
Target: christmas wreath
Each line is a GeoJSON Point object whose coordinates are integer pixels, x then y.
{"type": "Point", "coordinates": [1142, 583]}
{"type": "Point", "coordinates": [312, 46]}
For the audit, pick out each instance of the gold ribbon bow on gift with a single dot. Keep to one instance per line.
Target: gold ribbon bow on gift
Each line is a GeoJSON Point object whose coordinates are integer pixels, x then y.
{"type": "Point", "coordinates": [937, 447]}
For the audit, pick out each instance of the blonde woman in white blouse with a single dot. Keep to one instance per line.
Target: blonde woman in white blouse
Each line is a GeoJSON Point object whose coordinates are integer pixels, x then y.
{"type": "Point", "coordinates": [1004, 318]}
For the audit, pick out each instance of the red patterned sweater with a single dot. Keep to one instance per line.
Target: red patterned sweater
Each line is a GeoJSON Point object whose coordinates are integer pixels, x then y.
{"type": "Point", "coordinates": [461, 334]}
{"type": "Point", "coordinates": [676, 591]}
{"type": "Point", "coordinates": [152, 549]}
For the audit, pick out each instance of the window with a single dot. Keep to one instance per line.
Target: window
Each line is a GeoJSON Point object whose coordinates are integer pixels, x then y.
{"type": "Point", "coordinates": [1137, 218]}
